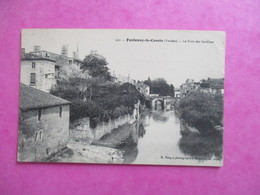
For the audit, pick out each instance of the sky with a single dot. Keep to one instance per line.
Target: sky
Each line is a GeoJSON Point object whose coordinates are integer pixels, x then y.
{"type": "Point", "coordinates": [172, 55]}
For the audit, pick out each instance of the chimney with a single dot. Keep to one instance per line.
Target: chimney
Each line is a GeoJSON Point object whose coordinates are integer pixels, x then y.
{"type": "Point", "coordinates": [37, 49]}
{"type": "Point", "coordinates": [22, 52]}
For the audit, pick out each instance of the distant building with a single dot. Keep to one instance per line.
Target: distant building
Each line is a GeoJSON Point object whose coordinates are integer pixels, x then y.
{"type": "Point", "coordinates": [177, 93]}
{"type": "Point", "coordinates": [186, 87]}
{"type": "Point", "coordinates": [196, 85]}
{"type": "Point", "coordinates": [123, 79]}
{"type": "Point", "coordinates": [43, 125]}
{"type": "Point", "coordinates": [213, 86]}
{"type": "Point", "coordinates": [38, 72]}
{"type": "Point", "coordinates": [143, 88]}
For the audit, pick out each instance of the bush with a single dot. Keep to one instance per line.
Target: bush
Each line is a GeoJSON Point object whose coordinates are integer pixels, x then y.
{"type": "Point", "coordinates": [80, 108]}
{"type": "Point", "coordinates": [202, 111]}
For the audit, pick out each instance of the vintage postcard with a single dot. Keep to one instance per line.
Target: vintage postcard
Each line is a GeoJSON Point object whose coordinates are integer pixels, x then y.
{"type": "Point", "coordinates": [150, 97]}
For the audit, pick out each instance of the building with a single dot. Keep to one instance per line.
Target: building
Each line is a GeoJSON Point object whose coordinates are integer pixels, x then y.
{"type": "Point", "coordinates": [177, 93]}
{"type": "Point", "coordinates": [213, 86]}
{"type": "Point", "coordinates": [43, 124]}
{"type": "Point", "coordinates": [61, 59]}
{"type": "Point", "coordinates": [123, 79]}
{"type": "Point", "coordinates": [142, 88]}
{"type": "Point", "coordinates": [38, 71]}
{"type": "Point", "coordinates": [41, 69]}
{"type": "Point", "coordinates": [187, 87]}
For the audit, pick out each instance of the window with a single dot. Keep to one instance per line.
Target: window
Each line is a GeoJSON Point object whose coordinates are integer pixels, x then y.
{"type": "Point", "coordinates": [39, 114]}
{"type": "Point", "coordinates": [33, 65]}
{"type": "Point", "coordinates": [38, 136]}
{"type": "Point", "coordinates": [33, 79]}
{"type": "Point", "coordinates": [60, 113]}
{"type": "Point", "coordinates": [70, 61]}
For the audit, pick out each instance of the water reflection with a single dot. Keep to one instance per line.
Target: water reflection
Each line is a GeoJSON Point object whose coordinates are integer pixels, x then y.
{"type": "Point", "coordinates": [157, 139]}
{"type": "Point", "coordinates": [130, 148]}
{"type": "Point", "coordinates": [202, 146]}
{"type": "Point", "coordinates": [141, 131]}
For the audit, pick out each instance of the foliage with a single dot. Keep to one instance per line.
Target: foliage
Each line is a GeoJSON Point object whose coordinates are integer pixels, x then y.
{"type": "Point", "coordinates": [66, 91]}
{"type": "Point", "coordinates": [92, 94]}
{"type": "Point", "coordinates": [160, 86]}
{"type": "Point", "coordinates": [72, 71]}
{"type": "Point", "coordinates": [105, 101]}
{"type": "Point", "coordinates": [88, 108]}
{"type": "Point", "coordinates": [96, 65]}
{"type": "Point", "coordinates": [202, 111]}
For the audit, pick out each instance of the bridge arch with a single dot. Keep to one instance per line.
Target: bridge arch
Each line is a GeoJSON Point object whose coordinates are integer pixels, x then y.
{"type": "Point", "coordinates": [154, 103]}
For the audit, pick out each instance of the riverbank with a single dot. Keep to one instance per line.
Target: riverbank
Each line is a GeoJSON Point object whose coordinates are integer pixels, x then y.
{"type": "Point", "coordinates": [83, 152]}
{"type": "Point", "coordinates": [118, 137]}
{"type": "Point", "coordinates": [199, 145]}
{"type": "Point", "coordinates": [108, 149]}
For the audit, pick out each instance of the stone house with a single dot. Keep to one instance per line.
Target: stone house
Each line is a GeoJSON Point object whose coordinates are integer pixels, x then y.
{"type": "Point", "coordinates": [43, 124]}
{"type": "Point", "coordinates": [38, 72]}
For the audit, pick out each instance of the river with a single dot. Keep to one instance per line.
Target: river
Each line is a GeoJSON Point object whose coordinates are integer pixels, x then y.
{"type": "Point", "coordinates": [156, 141]}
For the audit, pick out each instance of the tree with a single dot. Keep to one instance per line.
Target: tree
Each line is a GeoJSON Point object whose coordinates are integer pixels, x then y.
{"type": "Point", "coordinates": [202, 111]}
{"type": "Point", "coordinates": [171, 92]}
{"type": "Point", "coordinates": [96, 65]}
{"type": "Point", "coordinates": [160, 86]}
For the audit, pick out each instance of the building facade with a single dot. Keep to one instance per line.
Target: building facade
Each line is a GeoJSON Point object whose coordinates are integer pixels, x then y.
{"type": "Point", "coordinates": [43, 124]}
{"type": "Point", "coordinates": [38, 72]}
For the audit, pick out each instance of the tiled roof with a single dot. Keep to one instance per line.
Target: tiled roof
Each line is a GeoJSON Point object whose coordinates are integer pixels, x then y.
{"type": "Point", "coordinates": [34, 98]}
{"type": "Point", "coordinates": [30, 56]}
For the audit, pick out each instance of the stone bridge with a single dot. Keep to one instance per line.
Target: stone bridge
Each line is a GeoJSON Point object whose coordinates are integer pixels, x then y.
{"type": "Point", "coordinates": [160, 102]}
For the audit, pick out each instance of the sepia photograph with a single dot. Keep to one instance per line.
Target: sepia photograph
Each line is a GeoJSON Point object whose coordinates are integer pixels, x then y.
{"type": "Point", "coordinates": [150, 97]}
